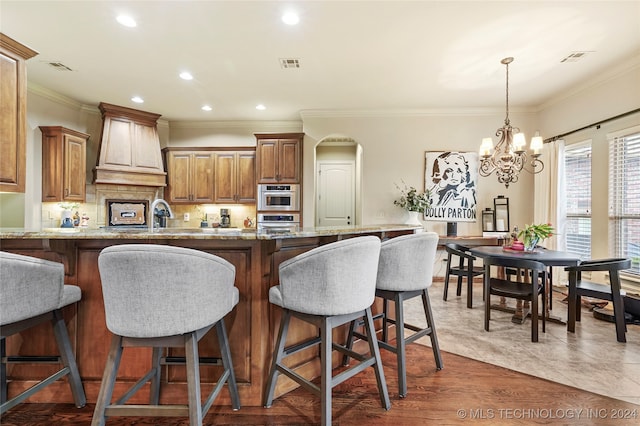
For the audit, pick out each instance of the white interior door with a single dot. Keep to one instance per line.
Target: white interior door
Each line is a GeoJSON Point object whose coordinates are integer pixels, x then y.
{"type": "Point", "coordinates": [336, 193]}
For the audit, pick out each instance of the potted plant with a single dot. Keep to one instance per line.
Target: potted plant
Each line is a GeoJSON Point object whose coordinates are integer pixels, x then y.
{"type": "Point", "coordinates": [413, 201]}
{"type": "Point", "coordinates": [531, 235]}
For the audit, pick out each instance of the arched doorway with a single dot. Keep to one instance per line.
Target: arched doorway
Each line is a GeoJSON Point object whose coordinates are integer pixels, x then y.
{"type": "Point", "coordinates": [338, 181]}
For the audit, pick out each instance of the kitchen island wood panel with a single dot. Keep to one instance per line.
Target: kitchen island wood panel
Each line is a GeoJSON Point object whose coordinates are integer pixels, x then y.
{"type": "Point", "coordinates": [252, 325]}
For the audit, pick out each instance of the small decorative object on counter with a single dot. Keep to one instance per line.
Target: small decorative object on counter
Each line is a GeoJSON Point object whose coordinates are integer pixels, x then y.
{"type": "Point", "coordinates": [66, 217]}
{"type": "Point", "coordinates": [531, 235]}
{"type": "Point", "coordinates": [66, 221]}
{"type": "Point", "coordinates": [248, 222]}
{"type": "Point", "coordinates": [84, 221]}
{"type": "Point", "coordinates": [204, 222]}
{"type": "Point", "coordinates": [76, 219]}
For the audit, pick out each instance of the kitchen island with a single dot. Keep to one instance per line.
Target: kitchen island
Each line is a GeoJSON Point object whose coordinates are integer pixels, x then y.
{"type": "Point", "coordinates": [252, 325]}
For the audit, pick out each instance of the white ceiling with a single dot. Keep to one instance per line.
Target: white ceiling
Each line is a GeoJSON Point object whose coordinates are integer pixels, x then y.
{"type": "Point", "coordinates": [354, 55]}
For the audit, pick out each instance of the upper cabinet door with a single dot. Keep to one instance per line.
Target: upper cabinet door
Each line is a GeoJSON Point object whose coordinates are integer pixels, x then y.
{"type": "Point", "coordinates": [190, 176]}
{"type": "Point", "coordinates": [63, 164]}
{"type": "Point", "coordinates": [13, 113]}
{"type": "Point", "coordinates": [235, 177]}
{"type": "Point", "coordinates": [225, 187]}
{"type": "Point", "coordinates": [246, 181]}
{"type": "Point", "coordinates": [75, 167]}
{"type": "Point", "coordinates": [203, 177]}
{"type": "Point", "coordinates": [279, 157]}
{"type": "Point", "coordinates": [267, 153]}
{"type": "Point", "coordinates": [289, 161]}
{"type": "Point", "coordinates": [178, 177]}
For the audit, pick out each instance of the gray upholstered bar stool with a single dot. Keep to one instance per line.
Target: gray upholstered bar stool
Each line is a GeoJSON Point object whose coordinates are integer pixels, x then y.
{"type": "Point", "coordinates": [32, 291]}
{"type": "Point", "coordinates": [405, 271]}
{"type": "Point", "coordinates": [163, 297]}
{"type": "Point", "coordinates": [328, 286]}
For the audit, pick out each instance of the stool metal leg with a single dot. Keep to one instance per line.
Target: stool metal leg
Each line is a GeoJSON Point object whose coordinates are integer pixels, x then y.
{"type": "Point", "coordinates": [154, 394]}
{"type": "Point", "coordinates": [223, 342]}
{"type": "Point", "coordinates": [349, 342]}
{"type": "Point", "coordinates": [277, 357]}
{"type": "Point", "coordinates": [108, 381]}
{"type": "Point", "coordinates": [434, 338]}
{"type": "Point", "coordinates": [375, 351]}
{"type": "Point", "coordinates": [193, 379]}
{"type": "Point", "coordinates": [3, 371]}
{"type": "Point", "coordinates": [400, 345]}
{"type": "Point", "coordinates": [326, 348]}
{"type": "Point", "coordinates": [68, 358]}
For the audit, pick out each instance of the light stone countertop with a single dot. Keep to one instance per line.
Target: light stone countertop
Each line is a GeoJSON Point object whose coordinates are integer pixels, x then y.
{"type": "Point", "coordinates": [194, 233]}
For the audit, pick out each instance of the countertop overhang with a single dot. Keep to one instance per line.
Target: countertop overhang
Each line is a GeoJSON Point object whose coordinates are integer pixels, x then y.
{"type": "Point", "coordinates": [196, 233]}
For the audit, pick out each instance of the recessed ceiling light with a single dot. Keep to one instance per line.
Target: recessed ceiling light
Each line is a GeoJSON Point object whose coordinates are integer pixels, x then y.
{"type": "Point", "coordinates": [206, 108]}
{"type": "Point", "coordinates": [261, 107]}
{"type": "Point", "coordinates": [290, 18]}
{"type": "Point", "coordinates": [137, 99]}
{"type": "Point", "coordinates": [127, 21]}
{"type": "Point", "coordinates": [186, 75]}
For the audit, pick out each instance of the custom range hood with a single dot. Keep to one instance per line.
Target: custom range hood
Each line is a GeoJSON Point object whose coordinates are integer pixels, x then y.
{"type": "Point", "coordinates": [129, 148]}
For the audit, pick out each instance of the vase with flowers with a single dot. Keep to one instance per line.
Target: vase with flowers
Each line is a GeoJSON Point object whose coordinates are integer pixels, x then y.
{"type": "Point", "coordinates": [413, 201]}
{"type": "Point", "coordinates": [531, 235]}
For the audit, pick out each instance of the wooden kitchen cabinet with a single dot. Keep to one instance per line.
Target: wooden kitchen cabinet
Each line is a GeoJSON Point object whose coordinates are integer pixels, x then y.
{"type": "Point", "coordinates": [190, 176]}
{"type": "Point", "coordinates": [235, 177]}
{"type": "Point", "coordinates": [13, 113]}
{"type": "Point", "coordinates": [279, 157]}
{"type": "Point", "coordinates": [64, 164]}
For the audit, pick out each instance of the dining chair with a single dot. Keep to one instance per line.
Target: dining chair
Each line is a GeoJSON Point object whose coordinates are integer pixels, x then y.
{"type": "Point", "coordinates": [32, 292]}
{"type": "Point", "coordinates": [405, 271]}
{"type": "Point", "coordinates": [611, 292]}
{"type": "Point", "coordinates": [327, 286]}
{"type": "Point", "coordinates": [158, 297]}
{"type": "Point", "coordinates": [460, 263]}
{"type": "Point", "coordinates": [527, 289]}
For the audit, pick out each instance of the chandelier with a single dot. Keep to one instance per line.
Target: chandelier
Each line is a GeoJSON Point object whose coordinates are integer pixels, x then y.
{"type": "Point", "coordinates": [509, 156]}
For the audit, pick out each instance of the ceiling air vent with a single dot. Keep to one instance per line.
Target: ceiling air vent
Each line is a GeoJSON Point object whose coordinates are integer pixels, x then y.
{"type": "Point", "coordinates": [574, 57]}
{"type": "Point", "coordinates": [59, 66]}
{"type": "Point", "coordinates": [289, 63]}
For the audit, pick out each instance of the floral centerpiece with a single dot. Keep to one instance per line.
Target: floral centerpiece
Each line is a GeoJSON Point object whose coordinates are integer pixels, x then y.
{"type": "Point", "coordinates": [531, 235]}
{"type": "Point", "coordinates": [414, 202]}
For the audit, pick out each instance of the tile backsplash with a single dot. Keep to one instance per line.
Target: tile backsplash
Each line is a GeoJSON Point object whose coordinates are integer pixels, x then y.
{"type": "Point", "coordinates": [95, 208]}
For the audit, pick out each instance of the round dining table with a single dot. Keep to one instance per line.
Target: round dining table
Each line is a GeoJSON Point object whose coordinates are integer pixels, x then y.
{"type": "Point", "coordinates": [549, 258]}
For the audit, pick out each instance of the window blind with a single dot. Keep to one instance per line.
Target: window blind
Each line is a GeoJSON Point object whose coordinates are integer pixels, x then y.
{"type": "Point", "coordinates": [624, 196]}
{"type": "Point", "coordinates": [578, 198]}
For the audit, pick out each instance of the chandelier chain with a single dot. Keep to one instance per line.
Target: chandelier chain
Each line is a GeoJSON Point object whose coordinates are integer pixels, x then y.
{"type": "Point", "coordinates": [506, 120]}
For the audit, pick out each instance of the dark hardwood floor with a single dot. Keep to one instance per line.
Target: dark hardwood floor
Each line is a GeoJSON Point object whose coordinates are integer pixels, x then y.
{"type": "Point", "coordinates": [464, 392]}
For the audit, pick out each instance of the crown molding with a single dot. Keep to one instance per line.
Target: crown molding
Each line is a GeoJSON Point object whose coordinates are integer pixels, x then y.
{"type": "Point", "coordinates": [609, 74]}
{"type": "Point", "coordinates": [388, 113]}
{"type": "Point", "coordinates": [43, 92]}
{"type": "Point", "coordinates": [286, 126]}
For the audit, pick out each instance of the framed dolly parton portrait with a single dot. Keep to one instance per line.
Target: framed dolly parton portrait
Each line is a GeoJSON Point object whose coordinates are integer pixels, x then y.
{"type": "Point", "coordinates": [451, 178]}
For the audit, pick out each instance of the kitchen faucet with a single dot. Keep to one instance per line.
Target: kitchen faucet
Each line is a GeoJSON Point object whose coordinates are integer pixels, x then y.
{"type": "Point", "coordinates": [152, 212]}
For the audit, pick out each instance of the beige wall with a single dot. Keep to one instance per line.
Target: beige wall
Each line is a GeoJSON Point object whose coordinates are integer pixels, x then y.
{"type": "Point", "coordinates": [394, 149]}
{"type": "Point", "coordinates": [393, 146]}
{"type": "Point", "coordinates": [612, 95]}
